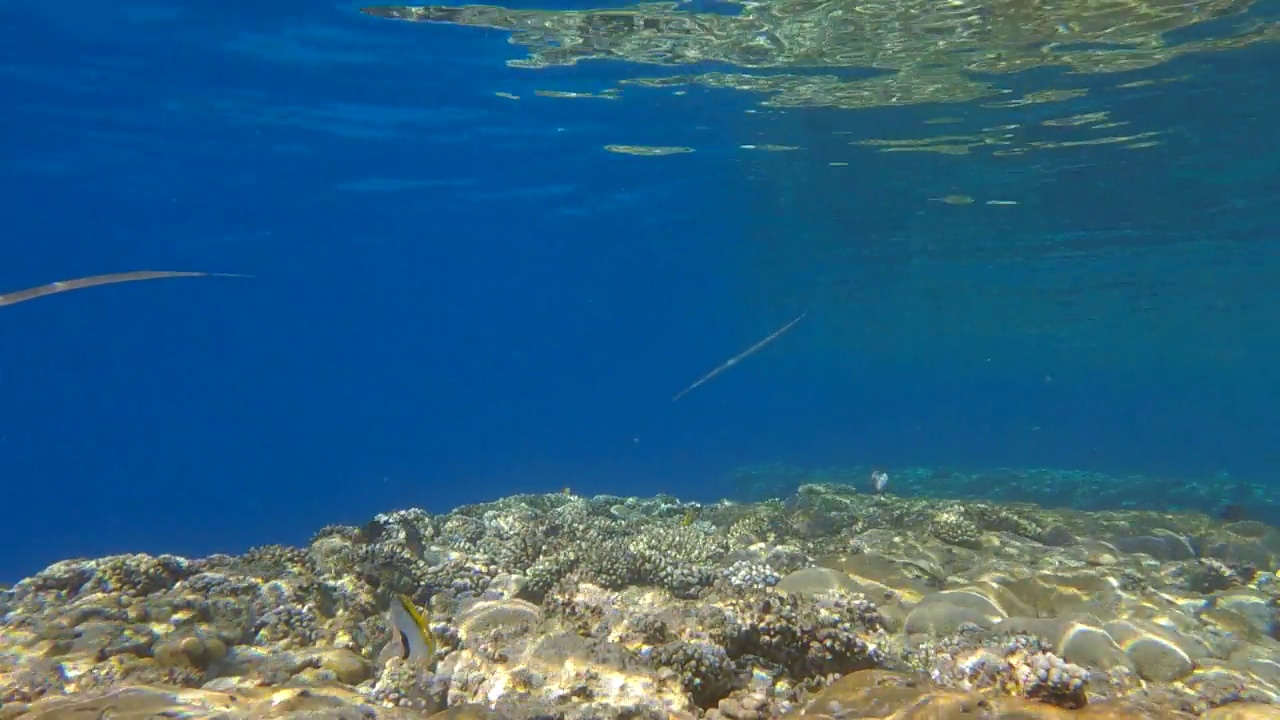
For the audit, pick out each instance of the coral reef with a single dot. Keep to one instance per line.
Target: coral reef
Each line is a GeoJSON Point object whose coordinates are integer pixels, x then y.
{"type": "Point", "coordinates": [835, 603]}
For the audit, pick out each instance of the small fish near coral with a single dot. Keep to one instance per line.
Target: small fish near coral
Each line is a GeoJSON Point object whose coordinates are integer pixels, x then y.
{"type": "Point", "coordinates": [411, 637]}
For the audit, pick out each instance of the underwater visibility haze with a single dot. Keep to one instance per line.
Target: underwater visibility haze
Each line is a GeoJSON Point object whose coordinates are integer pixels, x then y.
{"type": "Point", "coordinates": [724, 359]}
{"type": "Point", "coordinates": [489, 245]}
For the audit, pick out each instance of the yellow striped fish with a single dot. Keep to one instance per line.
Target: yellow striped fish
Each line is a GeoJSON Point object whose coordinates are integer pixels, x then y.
{"type": "Point", "coordinates": [409, 628]}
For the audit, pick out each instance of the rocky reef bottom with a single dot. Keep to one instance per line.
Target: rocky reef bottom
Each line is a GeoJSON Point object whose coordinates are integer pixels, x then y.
{"type": "Point", "coordinates": [832, 604]}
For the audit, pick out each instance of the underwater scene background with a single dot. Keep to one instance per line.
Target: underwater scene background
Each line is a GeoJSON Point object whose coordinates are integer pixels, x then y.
{"type": "Point", "coordinates": [1050, 243]}
{"type": "Point", "coordinates": [723, 359]}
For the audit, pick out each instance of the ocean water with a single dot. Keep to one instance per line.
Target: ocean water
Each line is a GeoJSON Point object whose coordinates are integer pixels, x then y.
{"type": "Point", "coordinates": [468, 282]}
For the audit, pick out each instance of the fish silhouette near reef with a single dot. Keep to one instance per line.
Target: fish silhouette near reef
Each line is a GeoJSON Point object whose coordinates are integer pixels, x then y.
{"type": "Point", "coordinates": [18, 296]}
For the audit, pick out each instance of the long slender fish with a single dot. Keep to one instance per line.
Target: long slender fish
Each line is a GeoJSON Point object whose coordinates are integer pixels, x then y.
{"type": "Point", "coordinates": [736, 358]}
{"type": "Point", "coordinates": [14, 298]}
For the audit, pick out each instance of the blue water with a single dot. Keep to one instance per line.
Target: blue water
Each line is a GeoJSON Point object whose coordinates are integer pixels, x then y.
{"type": "Point", "coordinates": [458, 296]}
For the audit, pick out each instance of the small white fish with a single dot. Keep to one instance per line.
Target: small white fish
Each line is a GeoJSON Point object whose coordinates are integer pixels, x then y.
{"type": "Point", "coordinates": [411, 637]}
{"type": "Point", "coordinates": [879, 480]}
